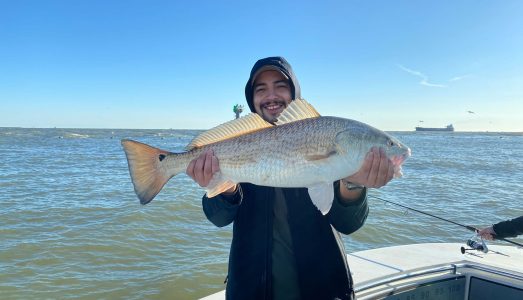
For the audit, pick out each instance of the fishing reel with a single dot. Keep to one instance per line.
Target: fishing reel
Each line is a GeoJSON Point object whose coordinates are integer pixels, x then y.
{"type": "Point", "coordinates": [474, 244]}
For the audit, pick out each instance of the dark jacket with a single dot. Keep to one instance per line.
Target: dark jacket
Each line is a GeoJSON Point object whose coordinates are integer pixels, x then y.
{"type": "Point", "coordinates": [320, 256]}
{"type": "Point", "coordinates": [511, 228]}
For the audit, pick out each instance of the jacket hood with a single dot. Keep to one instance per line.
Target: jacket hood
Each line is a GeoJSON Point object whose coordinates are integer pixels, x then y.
{"type": "Point", "coordinates": [275, 63]}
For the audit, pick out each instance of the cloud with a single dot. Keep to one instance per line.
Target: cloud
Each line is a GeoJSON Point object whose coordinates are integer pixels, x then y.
{"type": "Point", "coordinates": [426, 83]}
{"type": "Point", "coordinates": [424, 78]}
{"type": "Point", "coordinates": [457, 78]}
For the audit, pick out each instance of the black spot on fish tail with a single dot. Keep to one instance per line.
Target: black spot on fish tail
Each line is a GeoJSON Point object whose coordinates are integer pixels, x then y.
{"type": "Point", "coordinates": [161, 157]}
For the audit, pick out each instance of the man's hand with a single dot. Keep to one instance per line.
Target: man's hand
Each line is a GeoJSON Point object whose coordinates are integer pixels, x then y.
{"type": "Point", "coordinates": [487, 233]}
{"type": "Point", "coordinates": [203, 168]}
{"type": "Point", "coordinates": [377, 170]}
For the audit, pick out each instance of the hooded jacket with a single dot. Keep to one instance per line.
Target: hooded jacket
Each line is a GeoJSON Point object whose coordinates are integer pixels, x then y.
{"type": "Point", "coordinates": [275, 63]}
{"type": "Point", "coordinates": [321, 262]}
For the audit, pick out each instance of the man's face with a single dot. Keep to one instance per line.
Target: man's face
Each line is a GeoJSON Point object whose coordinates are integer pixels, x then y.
{"type": "Point", "coordinates": [272, 94]}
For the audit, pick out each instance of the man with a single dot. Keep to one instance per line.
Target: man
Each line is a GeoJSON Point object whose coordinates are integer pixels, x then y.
{"type": "Point", "coordinates": [282, 246]}
{"type": "Point", "coordinates": [504, 229]}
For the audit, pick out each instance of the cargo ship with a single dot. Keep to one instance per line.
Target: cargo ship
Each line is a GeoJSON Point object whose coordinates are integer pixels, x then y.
{"type": "Point", "coordinates": [448, 128]}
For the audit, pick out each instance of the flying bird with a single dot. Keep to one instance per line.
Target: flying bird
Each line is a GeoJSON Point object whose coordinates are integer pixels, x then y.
{"type": "Point", "coordinates": [470, 112]}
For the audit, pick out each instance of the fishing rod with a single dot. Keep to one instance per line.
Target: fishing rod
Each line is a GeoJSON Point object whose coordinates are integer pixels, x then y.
{"type": "Point", "coordinates": [471, 228]}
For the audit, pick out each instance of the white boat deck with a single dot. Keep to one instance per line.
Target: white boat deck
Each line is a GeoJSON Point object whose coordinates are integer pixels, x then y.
{"type": "Point", "coordinates": [371, 264]}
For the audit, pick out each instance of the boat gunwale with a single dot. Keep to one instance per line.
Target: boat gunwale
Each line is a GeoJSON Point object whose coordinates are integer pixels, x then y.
{"type": "Point", "coordinates": [450, 269]}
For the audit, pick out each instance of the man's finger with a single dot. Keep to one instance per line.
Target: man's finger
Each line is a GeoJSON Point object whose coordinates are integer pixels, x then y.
{"type": "Point", "coordinates": [367, 164]}
{"type": "Point", "coordinates": [383, 170]}
{"type": "Point", "coordinates": [215, 164]}
{"type": "Point", "coordinates": [190, 169]}
{"type": "Point", "coordinates": [207, 168]}
{"type": "Point", "coordinates": [198, 169]}
{"type": "Point", "coordinates": [373, 174]}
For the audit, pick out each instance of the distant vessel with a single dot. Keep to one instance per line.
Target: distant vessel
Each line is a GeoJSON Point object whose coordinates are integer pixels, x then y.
{"type": "Point", "coordinates": [448, 128]}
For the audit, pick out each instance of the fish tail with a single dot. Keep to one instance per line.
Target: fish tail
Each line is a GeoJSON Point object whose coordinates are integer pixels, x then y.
{"type": "Point", "coordinates": [148, 169]}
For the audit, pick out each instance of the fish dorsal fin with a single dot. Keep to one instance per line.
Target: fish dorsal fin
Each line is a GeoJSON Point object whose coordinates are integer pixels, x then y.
{"type": "Point", "coordinates": [249, 123]}
{"type": "Point", "coordinates": [299, 109]}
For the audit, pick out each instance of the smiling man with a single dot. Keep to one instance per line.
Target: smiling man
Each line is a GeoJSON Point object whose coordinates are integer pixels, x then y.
{"type": "Point", "coordinates": [283, 247]}
{"type": "Point", "coordinates": [272, 85]}
{"type": "Point", "coordinates": [272, 94]}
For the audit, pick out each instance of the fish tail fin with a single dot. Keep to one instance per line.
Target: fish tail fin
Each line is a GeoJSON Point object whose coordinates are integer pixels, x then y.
{"type": "Point", "coordinates": [147, 166]}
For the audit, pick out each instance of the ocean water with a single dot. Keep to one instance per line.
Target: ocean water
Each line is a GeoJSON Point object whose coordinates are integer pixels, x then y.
{"type": "Point", "coordinates": [71, 226]}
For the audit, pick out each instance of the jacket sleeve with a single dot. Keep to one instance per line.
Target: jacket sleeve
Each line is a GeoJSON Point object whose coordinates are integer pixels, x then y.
{"type": "Point", "coordinates": [347, 218]}
{"type": "Point", "coordinates": [511, 228]}
{"type": "Point", "coordinates": [221, 209]}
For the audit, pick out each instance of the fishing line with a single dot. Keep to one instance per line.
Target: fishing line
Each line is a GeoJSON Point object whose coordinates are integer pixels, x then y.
{"type": "Point", "coordinates": [474, 229]}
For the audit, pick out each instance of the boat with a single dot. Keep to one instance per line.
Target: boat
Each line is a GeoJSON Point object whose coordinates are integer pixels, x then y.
{"type": "Point", "coordinates": [447, 128]}
{"type": "Point", "coordinates": [435, 271]}
{"type": "Point", "coordinates": [438, 271]}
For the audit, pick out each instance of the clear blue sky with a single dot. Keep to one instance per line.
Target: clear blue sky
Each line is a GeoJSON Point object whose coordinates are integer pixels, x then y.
{"type": "Point", "coordinates": [184, 64]}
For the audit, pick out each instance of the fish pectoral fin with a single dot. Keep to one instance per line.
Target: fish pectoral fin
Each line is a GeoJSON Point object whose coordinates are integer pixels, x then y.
{"type": "Point", "coordinates": [320, 156]}
{"type": "Point", "coordinates": [218, 185]}
{"type": "Point", "coordinates": [322, 195]}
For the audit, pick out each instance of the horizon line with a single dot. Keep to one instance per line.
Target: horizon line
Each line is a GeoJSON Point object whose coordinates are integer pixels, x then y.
{"type": "Point", "coordinates": [108, 128]}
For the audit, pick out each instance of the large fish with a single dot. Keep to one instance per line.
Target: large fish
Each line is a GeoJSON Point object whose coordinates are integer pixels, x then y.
{"type": "Point", "coordinates": [302, 149]}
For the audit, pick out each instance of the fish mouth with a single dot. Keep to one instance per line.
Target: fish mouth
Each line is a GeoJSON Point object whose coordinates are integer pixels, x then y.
{"type": "Point", "coordinates": [397, 161]}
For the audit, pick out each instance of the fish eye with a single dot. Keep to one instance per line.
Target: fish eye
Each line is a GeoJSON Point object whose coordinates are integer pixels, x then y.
{"type": "Point", "coordinates": [390, 143]}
